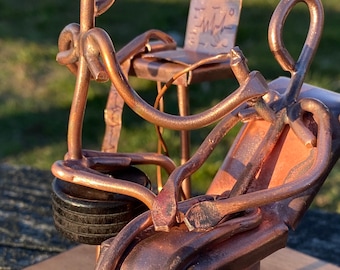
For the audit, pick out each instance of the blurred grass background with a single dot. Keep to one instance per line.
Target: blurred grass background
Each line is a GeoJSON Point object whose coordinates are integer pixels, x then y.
{"type": "Point", "coordinates": [35, 92]}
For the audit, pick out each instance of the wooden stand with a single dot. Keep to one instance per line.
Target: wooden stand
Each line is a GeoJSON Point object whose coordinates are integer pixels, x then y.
{"type": "Point", "coordinates": [82, 257]}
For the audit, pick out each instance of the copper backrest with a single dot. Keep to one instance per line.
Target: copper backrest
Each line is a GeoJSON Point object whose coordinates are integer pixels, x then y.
{"type": "Point", "coordinates": [212, 25]}
{"type": "Point", "coordinates": [211, 30]}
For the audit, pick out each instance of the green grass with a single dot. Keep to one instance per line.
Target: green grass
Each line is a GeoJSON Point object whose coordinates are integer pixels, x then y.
{"type": "Point", "coordinates": [36, 92]}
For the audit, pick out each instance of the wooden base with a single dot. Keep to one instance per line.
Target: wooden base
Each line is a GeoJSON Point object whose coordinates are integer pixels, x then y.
{"type": "Point", "coordinates": [82, 257]}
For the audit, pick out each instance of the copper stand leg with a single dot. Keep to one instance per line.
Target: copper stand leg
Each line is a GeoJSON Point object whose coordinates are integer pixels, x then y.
{"type": "Point", "coordinates": [183, 106]}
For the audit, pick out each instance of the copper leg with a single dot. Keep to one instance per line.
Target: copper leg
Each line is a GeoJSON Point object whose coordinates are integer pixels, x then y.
{"type": "Point", "coordinates": [183, 106]}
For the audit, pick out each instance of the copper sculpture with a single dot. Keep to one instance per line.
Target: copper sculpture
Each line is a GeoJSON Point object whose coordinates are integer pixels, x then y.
{"type": "Point", "coordinates": [276, 165]}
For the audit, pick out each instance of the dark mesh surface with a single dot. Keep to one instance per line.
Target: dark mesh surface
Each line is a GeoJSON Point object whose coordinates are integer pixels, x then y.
{"type": "Point", "coordinates": [318, 235]}
{"type": "Point", "coordinates": [27, 233]}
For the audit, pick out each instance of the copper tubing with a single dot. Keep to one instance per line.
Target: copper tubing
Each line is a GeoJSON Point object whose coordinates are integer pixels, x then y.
{"type": "Point", "coordinates": [68, 45]}
{"type": "Point", "coordinates": [81, 172]}
{"type": "Point", "coordinates": [263, 151]}
{"type": "Point", "coordinates": [72, 57]}
{"type": "Point", "coordinates": [295, 115]}
{"type": "Point", "coordinates": [110, 258]}
{"type": "Point", "coordinates": [134, 159]}
{"type": "Point", "coordinates": [183, 106]}
{"type": "Point", "coordinates": [77, 167]}
{"type": "Point", "coordinates": [139, 44]}
{"type": "Point", "coordinates": [96, 41]}
{"type": "Point", "coordinates": [69, 51]}
{"type": "Point", "coordinates": [184, 256]}
{"type": "Point", "coordinates": [75, 124]}
{"type": "Point", "coordinates": [276, 44]}
{"type": "Point", "coordinates": [164, 210]}
{"type": "Point", "coordinates": [223, 207]}
{"type": "Point", "coordinates": [85, 177]}
{"type": "Point", "coordinates": [81, 88]}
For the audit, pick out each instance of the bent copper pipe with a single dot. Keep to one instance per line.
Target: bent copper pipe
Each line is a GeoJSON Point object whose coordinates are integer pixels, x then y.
{"type": "Point", "coordinates": [86, 172]}
{"type": "Point", "coordinates": [69, 37]}
{"type": "Point", "coordinates": [70, 55]}
{"type": "Point", "coordinates": [68, 45]}
{"type": "Point", "coordinates": [297, 69]}
{"type": "Point", "coordinates": [78, 105]}
{"type": "Point", "coordinates": [97, 157]}
{"type": "Point", "coordinates": [164, 210]}
{"type": "Point", "coordinates": [76, 173]}
{"type": "Point", "coordinates": [265, 148]}
{"type": "Point", "coordinates": [184, 256]}
{"type": "Point", "coordinates": [96, 41]}
{"type": "Point", "coordinates": [166, 199]}
{"type": "Point", "coordinates": [295, 115]}
{"type": "Point", "coordinates": [139, 44]}
{"type": "Point", "coordinates": [110, 258]}
{"type": "Point", "coordinates": [216, 210]}
{"type": "Point", "coordinates": [77, 111]}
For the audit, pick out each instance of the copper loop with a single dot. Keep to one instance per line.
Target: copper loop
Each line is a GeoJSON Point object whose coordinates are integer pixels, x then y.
{"type": "Point", "coordinates": [297, 69]}
{"type": "Point", "coordinates": [313, 37]}
{"type": "Point", "coordinates": [68, 47]}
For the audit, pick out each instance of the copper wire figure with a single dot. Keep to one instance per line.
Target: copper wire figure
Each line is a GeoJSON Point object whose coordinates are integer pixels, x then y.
{"type": "Point", "coordinates": [277, 163]}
